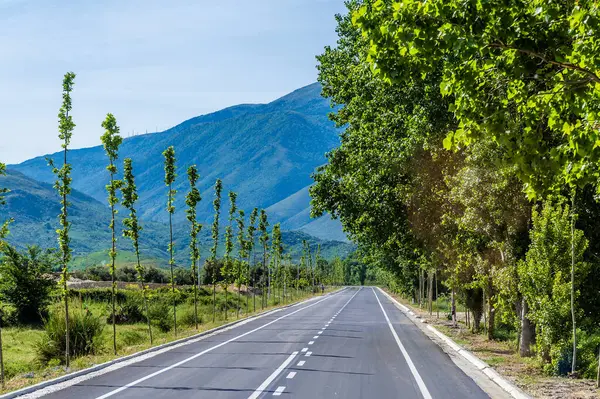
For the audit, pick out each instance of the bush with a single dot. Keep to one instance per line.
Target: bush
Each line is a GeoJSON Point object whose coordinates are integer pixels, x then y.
{"type": "Point", "coordinates": [127, 312]}
{"type": "Point", "coordinates": [161, 315]}
{"type": "Point", "coordinates": [187, 317]}
{"type": "Point", "coordinates": [25, 283]}
{"type": "Point", "coordinates": [85, 334]}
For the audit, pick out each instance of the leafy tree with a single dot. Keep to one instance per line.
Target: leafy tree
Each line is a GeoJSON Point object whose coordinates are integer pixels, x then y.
{"type": "Point", "coordinates": [25, 282]}
{"type": "Point", "coordinates": [228, 271]}
{"type": "Point", "coordinates": [243, 262]}
{"type": "Point", "coordinates": [170, 176]}
{"type": "Point", "coordinates": [111, 141]}
{"type": "Point", "coordinates": [263, 224]}
{"type": "Point", "coordinates": [545, 278]}
{"type": "Point", "coordinates": [63, 186]}
{"type": "Point", "coordinates": [215, 237]}
{"type": "Point", "coordinates": [192, 199]}
{"type": "Point", "coordinates": [522, 76]}
{"type": "Point", "coordinates": [251, 231]}
{"type": "Point", "coordinates": [132, 230]}
{"type": "Point", "coordinates": [277, 249]}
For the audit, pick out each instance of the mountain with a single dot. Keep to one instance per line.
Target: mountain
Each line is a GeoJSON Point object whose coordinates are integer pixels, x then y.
{"type": "Point", "coordinates": [264, 152]}
{"type": "Point", "coordinates": [34, 206]}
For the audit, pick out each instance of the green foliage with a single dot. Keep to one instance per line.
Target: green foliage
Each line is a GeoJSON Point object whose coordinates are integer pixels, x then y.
{"type": "Point", "coordinates": [85, 332]}
{"type": "Point", "coordinates": [522, 75]}
{"type": "Point", "coordinates": [161, 315]}
{"type": "Point", "coordinates": [25, 283]}
{"type": "Point", "coordinates": [170, 176]}
{"type": "Point", "coordinates": [545, 277]}
{"type": "Point", "coordinates": [215, 226]}
{"type": "Point", "coordinates": [63, 179]}
{"type": "Point", "coordinates": [228, 271]}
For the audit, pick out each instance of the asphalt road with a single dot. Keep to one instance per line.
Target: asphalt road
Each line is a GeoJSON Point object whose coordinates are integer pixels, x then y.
{"type": "Point", "coordinates": [353, 344]}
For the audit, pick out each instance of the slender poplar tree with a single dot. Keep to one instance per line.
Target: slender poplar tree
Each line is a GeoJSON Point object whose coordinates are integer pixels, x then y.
{"type": "Point", "coordinates": [251, 231]}
{"type": "Point", "coordinates": [215, 237]}
{"type": "Point", "coordinates": [310, 266]}
{"type": "Point", "coordinates": [242, 255]}
{"type": "Point", "coordinates": [111, 141]}
{"type": "Point", "coordinates": [170, 176]}
{"type": "Point", "coordinates": [63, 187]}
{"type": "Point", "coordinates": [3, 234]}
{"type": "Point", "coordinates": [227, 269]}
{"type": "Point", "coordinates": [133, 228]}
{"type": "Point", "coordinates": [277, 253]}
{"type": "Point", "coordinates": [192, 199]}
{"type": "Point", "coordinates": [263, 224]}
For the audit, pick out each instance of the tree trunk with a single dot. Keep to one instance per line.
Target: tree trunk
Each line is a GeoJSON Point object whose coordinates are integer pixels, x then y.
{"type": "Point", "coordinates": [226, 304]}
{"type": "Point", "coordinates": [492, 311]}
{"type": "Point", "coordinates": [527, 331]}
{"type": "Point", "coordinates": [437, 305]}
{"type": "Point", "coordinates": [574, 363]}
{"type": "Point", "coordinates": [453, 308]}
{"type": "Point", "coordinates": [430, 291]}
{"type": "Point", "coordinates": [1, 358]}
{"type": "Point", "coordinates": [598, 372]}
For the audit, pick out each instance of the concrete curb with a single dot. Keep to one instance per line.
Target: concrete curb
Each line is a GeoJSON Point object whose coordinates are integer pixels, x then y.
{"type": "Point", "coordinates": [485, 368]}
{"type": "Point", "coordinates": [79, 373]}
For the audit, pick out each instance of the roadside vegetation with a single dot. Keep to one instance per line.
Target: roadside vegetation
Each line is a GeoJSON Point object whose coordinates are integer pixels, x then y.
{"type": "Point", "coordinates": [470, 161]}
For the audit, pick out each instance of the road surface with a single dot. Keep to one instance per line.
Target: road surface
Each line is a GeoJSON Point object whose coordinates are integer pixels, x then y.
{"type": "Point", "coordinates": [353, 344]}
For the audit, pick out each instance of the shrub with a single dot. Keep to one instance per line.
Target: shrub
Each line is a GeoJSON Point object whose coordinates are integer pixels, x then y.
{"type": "Point", "coordinates": [161, 315]}
{"type": "Point", "coordinates": [127, 312]}
{"type": "Point", "coordinates": [187, 317]}
{"type": "Point", "coordinates": [25, 283]}
{"type": "Point", "coordinates": [85, 333]}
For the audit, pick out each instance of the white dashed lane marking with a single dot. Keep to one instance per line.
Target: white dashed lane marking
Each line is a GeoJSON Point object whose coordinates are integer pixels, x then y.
{"type": "Point", "coordinates": [304, 350]}
{"type": "Point", "coordinates": [308, 354]}
{"type": "Point", "coordinates": [279, 391]}
{"type": "Point", "coordinates": [301, 363]}
{"type": "Point", "coordinates": [311, 342]}
{"type": "Point", "coordinates": [315, 337]}
{"type": "Point", "coordinates": [291, 375]}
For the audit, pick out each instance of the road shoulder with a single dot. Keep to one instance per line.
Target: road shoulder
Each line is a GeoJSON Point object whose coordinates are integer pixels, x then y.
{"type": "Point", "coordinates": [484, 376]}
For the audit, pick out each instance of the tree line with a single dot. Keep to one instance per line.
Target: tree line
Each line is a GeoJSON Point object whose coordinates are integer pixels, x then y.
{"type": "Point", "coordinates": [470, 156]}
{"type": "Point", "coordinates": [246, 239]}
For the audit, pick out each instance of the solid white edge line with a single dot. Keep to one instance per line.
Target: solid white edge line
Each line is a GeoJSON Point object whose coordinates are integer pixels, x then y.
{"type": "Point", "coordinates": [272, 377]}
{"type": "Point", "coordinates": [147, 377]}
{"type": "Point", "coordinates": [411, 365]}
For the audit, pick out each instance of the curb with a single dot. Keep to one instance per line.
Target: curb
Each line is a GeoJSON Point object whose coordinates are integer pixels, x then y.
{"type": "Point", "coordinates": [181, 341]}
{"type": "Point", "coordinates": [482, 366]}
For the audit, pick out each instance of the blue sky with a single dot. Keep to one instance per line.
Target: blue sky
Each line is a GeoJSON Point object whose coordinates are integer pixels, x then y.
{"type": "Point", "coordinates": [151, 63]}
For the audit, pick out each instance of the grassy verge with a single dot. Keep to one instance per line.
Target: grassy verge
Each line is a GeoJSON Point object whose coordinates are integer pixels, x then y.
{"type": "Point", "coordinates": [20, 344]}
{"type": "Point", "coordinates": [501, 354]}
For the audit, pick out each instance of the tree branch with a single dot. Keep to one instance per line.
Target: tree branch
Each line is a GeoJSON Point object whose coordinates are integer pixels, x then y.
{"type": "Point", "coordinates": [566, 65]}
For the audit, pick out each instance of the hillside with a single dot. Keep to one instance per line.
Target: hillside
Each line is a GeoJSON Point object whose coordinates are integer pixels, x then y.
{"type": "Point", "coordinates": [35, 205]}
{"type": "Point", "coordinates": [265, 152]}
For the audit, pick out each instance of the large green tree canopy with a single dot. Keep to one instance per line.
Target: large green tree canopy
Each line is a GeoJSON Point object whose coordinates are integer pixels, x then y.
{"type": "Point", "coordinates": [524, 73]}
